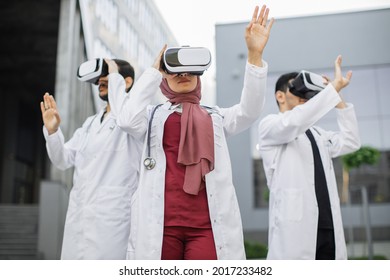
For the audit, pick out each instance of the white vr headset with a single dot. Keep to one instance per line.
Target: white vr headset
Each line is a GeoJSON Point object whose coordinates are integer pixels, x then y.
{"type": "Point", "coordinates": [307, 84]}
{"type": "Point", "coordinates": [91, 70]}
{"type": "Point", "coordinates": [193, 60]}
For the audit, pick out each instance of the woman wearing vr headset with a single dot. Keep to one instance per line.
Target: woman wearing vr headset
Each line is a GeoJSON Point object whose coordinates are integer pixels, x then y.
{"type": "Point", "coordinates": [305, 216]}
{"type": "Point", "coordinates": [185, 206]}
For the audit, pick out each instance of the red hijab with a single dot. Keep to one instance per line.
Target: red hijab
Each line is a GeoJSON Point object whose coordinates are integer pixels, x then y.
{"type": "Point", "coordinates": [196, 147]}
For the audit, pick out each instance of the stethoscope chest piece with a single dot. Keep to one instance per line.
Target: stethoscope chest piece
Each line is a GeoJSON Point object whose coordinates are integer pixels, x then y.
{"type": "Point", "coordinates": [149, 163]}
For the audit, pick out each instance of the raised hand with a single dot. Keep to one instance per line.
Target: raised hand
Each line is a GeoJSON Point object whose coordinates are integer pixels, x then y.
{"type": "Point", "coordinates": [112, 66]}
{"type": "Point", "coordinates": [157, 61]}
{"type": "Point", "coordinates": [50, 116]}
{"type": "Point", "coordinates": [339, 81]}
{"type": "Point", "coordinates": [257, 34]}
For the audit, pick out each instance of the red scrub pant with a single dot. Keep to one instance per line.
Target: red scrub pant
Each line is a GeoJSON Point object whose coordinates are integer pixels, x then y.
{"type": "Point", "coordinates": [186, 243]}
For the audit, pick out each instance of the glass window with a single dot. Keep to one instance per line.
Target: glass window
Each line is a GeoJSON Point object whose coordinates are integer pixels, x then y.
{"type": "Point", "coordinates": [128, 38]}
{"type": "Point", "coordinates": [133, 6]}
{"type": "Point", "coordinates": [101, 50]}
{"type": "Point", "coordinates": [107, 13]}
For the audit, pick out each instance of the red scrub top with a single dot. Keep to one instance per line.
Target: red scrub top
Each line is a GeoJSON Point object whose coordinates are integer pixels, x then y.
{"type": "Point", "coordinates": [181, 209]}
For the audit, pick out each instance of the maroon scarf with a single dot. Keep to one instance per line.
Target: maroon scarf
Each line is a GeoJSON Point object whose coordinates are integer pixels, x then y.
{"type": "Point", "coordinates": [196, 147]}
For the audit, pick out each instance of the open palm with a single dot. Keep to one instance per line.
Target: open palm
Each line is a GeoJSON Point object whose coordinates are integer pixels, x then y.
{"type": "Point", "coordinates": [257, 32]}
{"type": "Point", "coordinates": [50, 116]}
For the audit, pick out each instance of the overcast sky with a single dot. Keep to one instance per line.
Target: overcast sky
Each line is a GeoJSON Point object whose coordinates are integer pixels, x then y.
{"type": "Point", "coordinates": [193, 21]}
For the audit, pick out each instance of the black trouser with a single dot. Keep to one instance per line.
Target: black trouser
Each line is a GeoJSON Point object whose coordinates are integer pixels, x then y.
{"type": "Point", "coordinates": [326, 248]}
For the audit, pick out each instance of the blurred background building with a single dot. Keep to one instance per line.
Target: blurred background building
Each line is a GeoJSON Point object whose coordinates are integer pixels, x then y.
{"type": "Point", "coordinates": [44, 42]}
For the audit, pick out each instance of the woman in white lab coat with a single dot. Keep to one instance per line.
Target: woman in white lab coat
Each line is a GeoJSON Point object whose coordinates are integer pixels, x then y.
{"type": "Point", "coordinates": [148, 222]}
{"type": "Point", "coordinates": [288, 163]}
{"type": "Point", "coordinates": [106, 165]}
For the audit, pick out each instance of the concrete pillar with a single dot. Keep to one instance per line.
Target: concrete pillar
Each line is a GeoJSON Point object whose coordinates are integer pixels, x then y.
{"type": "Point", "coordinates": [52, 212]}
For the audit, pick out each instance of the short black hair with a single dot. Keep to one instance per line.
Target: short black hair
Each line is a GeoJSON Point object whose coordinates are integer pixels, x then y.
{"type": "Point", "coordinates": [125, 69]}
{"type": "Point", "coordinates": [283, 81]}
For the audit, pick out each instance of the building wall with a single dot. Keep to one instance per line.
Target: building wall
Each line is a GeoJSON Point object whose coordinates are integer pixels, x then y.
{"type": "Point", "coordinates": [310, 43]}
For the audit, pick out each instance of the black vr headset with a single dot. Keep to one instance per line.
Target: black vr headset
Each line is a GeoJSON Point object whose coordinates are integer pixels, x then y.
{"type": "Point", "coordinates": [306, 84]}
{"type": "Point", "coordinates": [91, 70]}
{"type": "Point", "coordinates": [193, 60]}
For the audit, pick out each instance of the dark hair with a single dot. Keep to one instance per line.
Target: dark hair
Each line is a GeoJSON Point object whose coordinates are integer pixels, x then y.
{"type": "Point", "coordinates": [125, 69]}
{"type": "Point", "coordinates": [283, 81]}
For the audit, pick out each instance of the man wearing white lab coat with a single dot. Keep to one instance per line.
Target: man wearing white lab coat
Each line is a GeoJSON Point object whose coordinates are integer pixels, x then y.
{"type": "Point", "coordinates": [106, 165]}
{"type": "Point", "coordinates": [289, 167]}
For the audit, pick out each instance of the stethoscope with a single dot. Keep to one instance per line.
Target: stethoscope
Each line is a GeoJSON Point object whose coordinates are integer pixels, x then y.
{"type": "Point", "coordinates": [150, 162]}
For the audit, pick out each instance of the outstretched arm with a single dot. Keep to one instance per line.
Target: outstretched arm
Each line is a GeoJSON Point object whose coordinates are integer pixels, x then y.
{"type": "Point", "coordinates": [243, 114]}
{"type": "Point", "coordinates": [130, 108]}
{"type": "Point", "coordinates": [284, 128]}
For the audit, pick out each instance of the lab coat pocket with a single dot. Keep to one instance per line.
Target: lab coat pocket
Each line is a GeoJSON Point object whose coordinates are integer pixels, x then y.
{"type": "Point", "coordinates": [292, 205]}
{"type": "Point", "coordinates": [114, 203]}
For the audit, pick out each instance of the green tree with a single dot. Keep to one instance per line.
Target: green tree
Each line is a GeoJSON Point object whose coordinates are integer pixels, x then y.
{"type": "Point", "coordinates": [365, 155]}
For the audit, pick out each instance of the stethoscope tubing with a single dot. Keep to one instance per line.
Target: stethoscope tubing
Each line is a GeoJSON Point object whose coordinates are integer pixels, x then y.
{"type": "Point", "coordinates": [150, 162]}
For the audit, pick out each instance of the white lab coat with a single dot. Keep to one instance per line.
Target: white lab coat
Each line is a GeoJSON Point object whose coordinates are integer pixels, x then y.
{"type": "Point", "coordinates": [106, 166]}
{"type": "Point", "coordinates": [147, 218]}
{"type": "Point", "coordinates": [289, 168]}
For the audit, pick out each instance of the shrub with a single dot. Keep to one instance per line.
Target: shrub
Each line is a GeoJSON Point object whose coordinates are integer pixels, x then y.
{"type": "Point", "coordinates": [255, 250]}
